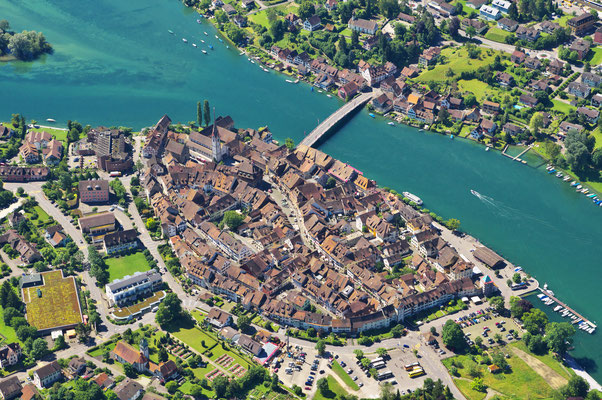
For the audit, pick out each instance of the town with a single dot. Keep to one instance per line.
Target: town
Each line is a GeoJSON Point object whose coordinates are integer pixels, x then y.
{"type": "Point", "coordinates": [201, 260]}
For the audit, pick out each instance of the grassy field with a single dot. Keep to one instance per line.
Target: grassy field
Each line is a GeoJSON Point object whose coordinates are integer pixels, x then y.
{"type": "Point", "coordinates": [522, 382]}
{"type": "Point", "coordinates": [497, 34]}
{"type": "Point", "coordinates": [126, 265]}
{"type": "Point", "coordinates": [597, 133]}
{"type": "Point", "coordinates": [218, 351]}
{"type": "Point", "coordinates": [595, 57]}
{"type": "Point", "coordinates": [562, 106]}
{"type": "Point", "coordinates": [261, 17]}
{"type": "Point", "coordinates": [42, 215]}
{"type": "Point", "coordinates": [458, 61]}
{"type": "Point", "coordinates": [193, 337]}
{"type": "Point", "coordinates": [336, 367]}
{"type": "Point", "coordinates": [335, 390]}
{"type": "Point", "coordinates": [548, 360]}
{"type": "Point", "coordinates": [6, 331]}
{"type": "Point", "coordinates": [476, 87]}
{"type": "Point", "coordinates": [470, 394]}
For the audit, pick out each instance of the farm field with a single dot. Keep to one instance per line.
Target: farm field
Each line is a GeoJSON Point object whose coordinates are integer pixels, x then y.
{"type": "Point", "coordinates": [120, 267]}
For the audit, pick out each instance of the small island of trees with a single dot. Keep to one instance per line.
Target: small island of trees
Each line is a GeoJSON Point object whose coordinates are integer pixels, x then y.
{"type": "Point", "coordinates": [25, 46]}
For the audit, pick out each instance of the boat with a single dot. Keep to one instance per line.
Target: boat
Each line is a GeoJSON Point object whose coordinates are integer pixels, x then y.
{"type": "Point", "coordinates": [217, 37]}
{"type": "Point", "coordinates": [205, 33]}
{"type": "Point", "coordinates": [242, 53]}
{"type": "Point", "coordinates": [566, 178]}
{"type": "Point", "coordinates": [252, 62]}
{"type": "Point", "coordinates": [170, 31]}
{"type": "Point", "coordinates": [551, 171]}
{"type": "Point", "coordinates": [559, 175]}
{"type": "Point", "coordinates": [372, 115]}
{"type": "Point", "coordinates": [297, 81]}
{"type": "Point", "coordinates": [204, 51]}
{"type": "Point", "coordinates": [486, 148]}
{"type": "Point", "coordinates": [50, 120]}
{"type": "Point", "coordinates": [220, 40]}
{"type": "Point", "coordinates": [328, 95]}
{"type": "Point", "coordinates": [211, 47]}
{"type": "Point", "coordinates": [549, 167]}
{"type": "Point", "coordinates": [390, 124]}
{"type": "Point", "coordinates": [545, 287]}
{"type": "Point", "coordinates": [198, 21]}
{"type": "Point", "coordinates": [289, 81]}
{"type": "Point", "coordinates": [557, 308]}
{"type": "Point", "coordinates": [579, 187]}
{"type": "Point", "coordinates": [202, 41]}
{"type": "Point", "coordinates": [266, 70]}
{"type": "Point", "coordinates": [184, 40]}
{"type": "Point", "coordinates": [592, 195]}
{"type": "Point", "coordinates": [451, 137]}
{"type": "Point", "coordinates": [194, 45]}
{"type": "Point", "coordinates": [227, 46]}
{"type": "Point", "coordinates": [574, 183]}
{"type": "Point", "coordinates": [413, 198]}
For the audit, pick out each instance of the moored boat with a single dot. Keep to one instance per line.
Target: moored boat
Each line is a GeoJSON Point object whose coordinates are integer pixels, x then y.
{"type": "Point", "coordinates": [50, 120]}
{"type": "Point", "coordinates": [413, 198]}
{"type": "Point", "coordinates": [184, 40]}
{"type": "Point", "coordinates": [372, 115]}
{"type": "Point", "coordinates": [390, 124]}
{"type": "Point", "coordinates": [170, 31]}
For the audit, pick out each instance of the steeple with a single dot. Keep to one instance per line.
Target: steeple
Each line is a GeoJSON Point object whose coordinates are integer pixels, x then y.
{"type": "Point", "coordinates": [216, 144]}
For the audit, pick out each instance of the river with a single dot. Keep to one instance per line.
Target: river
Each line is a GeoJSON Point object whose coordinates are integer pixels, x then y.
{"type": "Point", "coordinates": [116, 64]}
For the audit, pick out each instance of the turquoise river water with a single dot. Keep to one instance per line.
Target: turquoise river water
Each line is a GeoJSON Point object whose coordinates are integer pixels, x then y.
{"type": "Point", "coordinates": [116, 64]}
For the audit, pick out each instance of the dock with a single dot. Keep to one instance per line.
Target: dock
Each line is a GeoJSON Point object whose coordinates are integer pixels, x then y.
{"type": "Point", "coordinates": [334, 118]}
{"type": "Point", "coordinates": [517, 158]}
{"type": "Point", "coordinates": [560, 303]}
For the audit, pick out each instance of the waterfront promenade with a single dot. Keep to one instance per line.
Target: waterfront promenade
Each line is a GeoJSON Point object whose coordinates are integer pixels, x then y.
{"type": "Point", "coordinates": [336, 117]}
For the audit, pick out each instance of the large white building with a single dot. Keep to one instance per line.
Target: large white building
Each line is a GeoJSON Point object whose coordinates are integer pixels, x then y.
{"type": "Point", "coordinates": [122, 291]}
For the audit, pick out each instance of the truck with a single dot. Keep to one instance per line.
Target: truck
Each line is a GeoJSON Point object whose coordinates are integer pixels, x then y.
{"type": "Point", "coordinates": [115, 174]}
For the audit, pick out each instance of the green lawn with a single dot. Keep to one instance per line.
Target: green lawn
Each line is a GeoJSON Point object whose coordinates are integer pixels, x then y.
{"type": "Point", "coordinates": [497, 34]}
{"type": "Point", "coordinates": [597, 133]}
{"type": "Point", "coordinates": [218, 351]}
{"type": "Point", "coordinates": [458, 61]}
{"type": "Point", "coordinates": [42, 215]}
{"type": "Point", "coordinates": [595, 56]}
{"type": "Point", "coordinates": [6, 331]}
{"type": "Point", "coordinates": [59, 134]}
{"type": "Point", "coordinates": [562, 106]}
{"type": "Point", "coordinates": [521, 383]}
{"type": "Point", "coordinates": [335, 390]}
{"type": "Point", "coordinates": [478, 88]}
{"type": "Point", "coordinates": [548, 360]}
{"type": "Point", "coordinates": [336, 367]}
{"type": "Point", "coordinates": [187, 385]}
{"type": "Point", "coordinates": [563, 20]}
{"type": "Point", "coordinates": [470, 394]}
{"type": "Point", "coordinates": [260, 18]}
{"type": "Point", "coordinates": [193, 337]}
{"type": "Point", "coordinates": [126, 265]}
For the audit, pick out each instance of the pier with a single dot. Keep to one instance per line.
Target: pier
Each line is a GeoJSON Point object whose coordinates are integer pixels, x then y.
{"type": "Point", "coordinates": [560, 303]}
{"type": "Point", "coordinates": [334, 118]}
{"type": "Point", "coordinates": [517, 157]}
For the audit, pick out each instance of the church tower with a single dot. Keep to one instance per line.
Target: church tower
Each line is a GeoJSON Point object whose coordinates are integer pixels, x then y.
{"type": "Point", "coordinates": [216, 144]}
{"type": "Point", "coordinates": [144, 347]}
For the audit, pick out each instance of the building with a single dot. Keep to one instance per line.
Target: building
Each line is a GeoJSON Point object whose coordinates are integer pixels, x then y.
{"type": "Point", "coordinates": [93, 191]}
{"type": "Point", "coordinates": [109, 147]}
{"type": "Point", "coordinates": [10, 387]}
{"type": "Point", "coordinates": [360, 25]}
{"type": "Point", "coordinates": [581, 47]}
{"type": "Point", "coordinates": [490, 13]}
{"type": "Point", "coordinates": [429, 56]}
{"type": "Point", "coordinates": [23, 174]}
{"type": "Point", "coordinates": [219, 318]}
{"type": "Point", "coordinates": [489, 258]}
{"type": "Point", "coordinates": [490, 107]}
{"type": "Point", "coordinates": [529, 34]}
{"type": "Point", "coordinates": [597, 40]}
{"type": "Point", "coordinates": [119, 241]}
{"type": "Point", "coordinates": [507, 24]}
{"type": "Point", "coordinates": [501, 5]}
{"type": "Point", "coordinates": [312, 23]}
{"type": "Point", "coordinates": [128, 389]}
{"type": "Point", "coordinates": [580, 90]}
{"type": "Point", "coordinates": [127, 354]}
{"type": "Point", "coordinates": [130, 288]}
{"type": "Point", "coordinates": [591, 116]}
{"type": "Point", "coordinates": [97, 224]}
{"type": "Point", "coordinates": [591, 80]}
{"type": "Point", "coordinates": [9, 355]}
{"type": "Point", "coordinates": [582, 24]}
{"type": "Point", "coordinates": [45, 376]}
{"type": "Point", "coordinates": [348, 90]}
{"type": "Point", "coordinates": [29, 153]}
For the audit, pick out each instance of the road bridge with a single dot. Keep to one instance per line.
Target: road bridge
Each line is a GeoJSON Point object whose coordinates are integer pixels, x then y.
{"type": "Point", "coordinates": [336, 117]}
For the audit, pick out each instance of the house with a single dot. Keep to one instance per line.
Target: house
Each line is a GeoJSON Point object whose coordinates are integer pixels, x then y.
{"type": "Point", "coordinates": [29, 392]}
{"type": "Point", "coordinates": [429, 56]}
{"type": "Point", "coordinates": [10, 387]}
{"type": "Point", "coordinates": [591, 80]}
{"type": "Point", "coordinates": [331, 5]}
{"type": "Point", "coordinates": [556, 66]}
{"type": "Point", "coordinates": [504, 79]}
{"type": "Point", "coordinates": [512, 129]}
{"type": "Point", "coordinates": [45, 376]}
{"type": "Point", "coordinates": [362, 25]}
{"type": "Point", "coordinates": [165, 371]}
{"type": "Point", "coordinates": [348, 90]}
{"type": "Point", "coordinates": [382, 103]}
{"type": "Point", "coordinates": [249, 345]}
{"type": "Point", "coordinates": [528, 100]}
{"type": "Point", "coordinates": [93, 191]}
{"type": "Point", "coordinates": [517, 57]}
{"type": "Point", "coordinates": [578, 89]}
{"type": "Point", "coordinates": [501, 5]}
{"type": "Point", "coordinates": [219, 318]}
{"type": "Point", "coordinates": [29, 153]}
{"type": "Point", "coordinates": [97, 223]}
{"type": "Point", "coordinates": [5, 132]}
{"type": "Point", "coordinates": [488, 126]}
{"type": "Point", "coordinates": [476, 4]}
{"type": "Point", "coordinates": [119, 241]}
{"type": "Point", "coordinates": [532, 62]}
{"type": "Point", "coordinates": [582, 24]}
{"type": "Point", "coordinates": [596, 100]}
{"type": "Point", "coordinates": [507, 24]}
{"type": "Point", "coordinates": [312, 23]}
{"type": "Point", "coordinates": [406, 18]}
{"type": "Point", "coordinates": [104, 381]}
{"type": "Point", "coordinates": [597, 40]}
{"type": "Point", "coordinates": [565, 127]}
{"type": "Point", "coordinates": [292, 20]}
{"type": "Point", "coordinates": [124, 290]}
{"type": "Point", "coordinates": [127, 354]}
{"type": "Point", "coordinates": [530, 34]}
{"type": "Point", "coordinates": [229, 9]}
{"type": "Point", "coordinates": [489, 13]}
{"type": "Point", "coordinates": [581, 47]}
{"type": "Point", "coordinates": [247, 4]}
{"type": "Point", "coordinates": [9, 355]}
{"type": "Point", "coordinates": [549, 27]}
{"type": "Point", "coordinates": [128, 389]}
{"type": "Point", "coordinates": [591, 116]}
{"type": "Point", "coordinates": [77, 366]}
{"type": "Point", "coordinates": [490, 107]}
{"type": "Point", "coordinates": [477, 24]}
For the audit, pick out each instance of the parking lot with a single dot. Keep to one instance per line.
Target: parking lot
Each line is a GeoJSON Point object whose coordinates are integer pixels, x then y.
{"type": "Point", "coordinates": [487, 326]}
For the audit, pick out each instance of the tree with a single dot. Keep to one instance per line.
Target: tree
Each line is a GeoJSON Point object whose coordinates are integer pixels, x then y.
{"type": "Point", "coordinates": [311, 332]}
{"type": "Point", "coordinates": [59, 343]}
{"type": "Point", "coordinates": [322, 386]}
{"type": "Point", "coordinates": [39, 348]}
{"type": "Point", "coordinates": [478, 385]}
{"type": "Point", "coordinates": [535, 321]}
{"type": "Point", "coordinates": [478, 341]}
{"type": "Point", "coordinates": [519, 306]}
{"type": "Point", "coordinates": [516, 278]}
{"type": "Point", "coordinates": [163, 356]}
{"type": "Point", "coordinates": [382, 352]}
{"type": "Point", "coordinates": [471, 32]}
{"type": "Point", "coordinates": [321, 347]}
{"type": "Point", "coordinates": [129, 371]}
{"type": "Point", "coordinates": [576, 387]}
{"type": "Point", "coordinates": [536, 123]}
{"type": "Point", "coordinates": [454, 26]}
{"type": "Point", "coordinates": [452, 336]}
{"type": "Point", "coordinates": [26, 331]}
{"type": "Point", "coordinates": [577, 152]}
{"type": "Point", "coordinates": [199, 114]}
{"type": "Point", "coordinates": [536, 344]}
{"type": "Point", "coordinates": [206, 112]}
{"type": "Point", "coordinates": [497, 337]}
{"type": "Point", "coordinates": [358, 354]}
{"type": "Point", "coordinates": [9, 314]}
{"type": "Point", "coordinates": [289, 143]}
{"type": "Point", "coordinates": [169, 310]}
{"type": "Point", "coordinates": [219, 386]}
{"type": "Point", "coordinates": [195, 390]}
{"type": "Point", "coordinates": [232, 219]}
{"type": "Point", "coordinates": [243, 322]}
{"type": "Point", "coordinates": [172, 387]}
{"type": "Point", "coordinates": [453, 224]}
{"type": "Point", "coordinates": [4, 25]}
{"type": "Point", "coordinates": [559, 336]}
{"type": "Point", "coordinates": [83, 332]}
{"type": "Point", "coordinates": [397, 331]}
{"type": "Point", "coordinates": [306, 10]}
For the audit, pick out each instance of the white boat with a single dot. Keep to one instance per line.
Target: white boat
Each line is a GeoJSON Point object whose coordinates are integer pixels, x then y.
{"type": "Point", "coordinates": [205, 33]}
{"type": "Point", "coordinates": [202, 41]}
{"type": "Point", "coordinates": [252, 62]}
{"type": "Point", "coordinates": [413, 198]}
{"type": "Point", "coordinates": [184, 40]}
{"type": "Point", "coordinates": [50, 120]}
{"type": "Point", "coordinates": [328, 95]}
{"type": "Point", "coordinates": [557, 308]}
{"type": "Point", "coordinates": [204, 51]}
{"type": "Point", "coordinates": [487, 148]}
{"type": "Point", "coordinates": [242, 53]}
{"type": "Point", "coordinates": [390, 124]}
{"type": "Point", "coordinates": [193, 45]}
{"type": "Point", "coordinates": [216, 37]}
{"type": "Point", "coordinates": [289, 81]}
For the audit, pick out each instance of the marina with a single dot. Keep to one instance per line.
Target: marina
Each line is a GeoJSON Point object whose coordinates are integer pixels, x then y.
{"type": "Point", "coordinates": [580, 322]}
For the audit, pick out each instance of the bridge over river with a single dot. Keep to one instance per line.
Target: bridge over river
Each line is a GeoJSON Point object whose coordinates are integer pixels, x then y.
{"type": "Point", "coordinates": [336, 117]}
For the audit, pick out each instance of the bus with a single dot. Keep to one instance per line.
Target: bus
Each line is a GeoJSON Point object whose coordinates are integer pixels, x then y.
{"type": "Point", "coordinates": [378, 365]}
{"type": "Point", "coordinates": [384, 375]}
{"type": "Point", "coordinates": [411, 366]}
{"type": "Point", "coordinates": [416, 372]}
{"type": "Point", "coordinates": [379, 359]}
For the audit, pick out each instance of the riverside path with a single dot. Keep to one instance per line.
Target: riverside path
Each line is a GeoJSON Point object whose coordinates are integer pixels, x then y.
{"type": "Point", "coordinates": [334, 118]}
